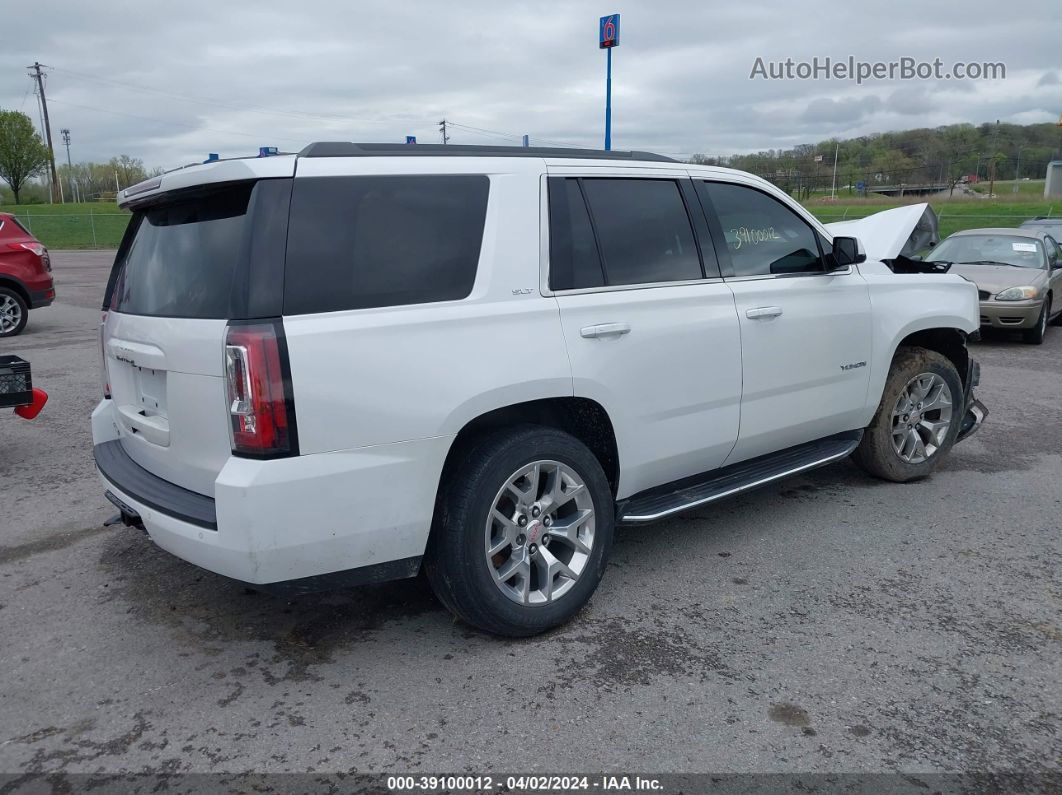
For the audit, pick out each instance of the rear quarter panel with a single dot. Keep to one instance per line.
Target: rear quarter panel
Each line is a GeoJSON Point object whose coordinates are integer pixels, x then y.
{"type": "Point", "coordinates": [378, 376]}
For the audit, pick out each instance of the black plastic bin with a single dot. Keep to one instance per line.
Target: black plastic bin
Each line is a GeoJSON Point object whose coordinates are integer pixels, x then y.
{"type": "Point", "coordinates": [16, 385]}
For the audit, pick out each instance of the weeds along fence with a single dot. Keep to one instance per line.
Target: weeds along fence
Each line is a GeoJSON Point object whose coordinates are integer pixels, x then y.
{"type": "Point", "coordinates": [104, 230]}
{"type": "Point", "coordinates": [76, 230]}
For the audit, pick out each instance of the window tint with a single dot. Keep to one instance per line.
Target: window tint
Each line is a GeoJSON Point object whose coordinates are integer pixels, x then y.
{"type": "Point", "coordinates": [643, 229]}
{"type": "Point", "coordinates": [182, 256]}
{"type": "Point", "coordinates": [762, 235]}
{"type": "Point", "coordinates": [358, 242]}
{"type": "Point", "coordinates": [573, 257]}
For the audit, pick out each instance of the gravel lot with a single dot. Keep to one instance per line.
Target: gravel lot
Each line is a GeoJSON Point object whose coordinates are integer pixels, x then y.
{"type": "Point", "coordinates": [827, 624]}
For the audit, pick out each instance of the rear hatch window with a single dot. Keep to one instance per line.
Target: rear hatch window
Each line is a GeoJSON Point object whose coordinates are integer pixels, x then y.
{"type": "Point", "coordinates": [182, 257]}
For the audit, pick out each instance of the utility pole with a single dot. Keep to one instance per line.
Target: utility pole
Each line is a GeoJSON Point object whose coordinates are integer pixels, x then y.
{"type": "Point", "coordinates": [442, 129]}
{"type": "Point", "coordinates": [992, 162]}
{"type": "Point", "coordinates": [833, 190]}
{"type": "Point", "coordinates": [1017, 171]}
{"type": "Point", "coordinates": [69, 165]}
{"type": "Point", "coordinates": [38, 75]}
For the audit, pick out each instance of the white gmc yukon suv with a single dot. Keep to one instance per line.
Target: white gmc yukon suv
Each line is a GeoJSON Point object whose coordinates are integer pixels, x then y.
{"type": "Point", "coordinates": [342, 366]}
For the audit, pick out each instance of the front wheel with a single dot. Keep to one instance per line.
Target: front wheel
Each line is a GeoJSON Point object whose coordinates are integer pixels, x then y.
{"type": "Point", "coordinates": [1035, 335]}
{"type": "Point", "coordinates": [522, 531]}
{"type": "Point", "coordinates": [917, 420]}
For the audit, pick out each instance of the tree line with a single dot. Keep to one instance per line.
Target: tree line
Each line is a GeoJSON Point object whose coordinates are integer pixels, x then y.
{"type": "Point", "coordinates": [24, 157]}
{"type": "Point", "coordinates": [942, 155]}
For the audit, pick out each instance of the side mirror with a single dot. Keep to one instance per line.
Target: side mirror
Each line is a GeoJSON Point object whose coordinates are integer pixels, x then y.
{"type": "Point", "coordinates": [848, 251]}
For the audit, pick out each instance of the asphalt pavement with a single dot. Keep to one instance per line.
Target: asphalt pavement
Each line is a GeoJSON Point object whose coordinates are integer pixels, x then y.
{"type": "Point", "coordinates": [829, 623]}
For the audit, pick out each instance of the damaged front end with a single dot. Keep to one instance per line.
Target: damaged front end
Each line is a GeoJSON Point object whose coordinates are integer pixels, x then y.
{"type": "Point", "coordinates": [974, 411]}
{"type": "Point", "coordinates": [896, 236]}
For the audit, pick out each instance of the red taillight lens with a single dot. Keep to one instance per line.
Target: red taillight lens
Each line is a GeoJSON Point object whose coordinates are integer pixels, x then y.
{"type": "Point", "coordinates": [261, 409]}
{"type": "Point", "coordinates": [36, 248]}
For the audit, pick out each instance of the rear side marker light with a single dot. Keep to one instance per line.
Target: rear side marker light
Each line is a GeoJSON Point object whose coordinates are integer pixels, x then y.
{"type": "Point", "coordinates": [258, 381]}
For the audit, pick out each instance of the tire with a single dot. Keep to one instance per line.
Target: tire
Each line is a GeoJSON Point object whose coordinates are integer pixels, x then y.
{"type": "Point", "coordinates": [877, 452]}
{"type": "Point", "coordinates": [1035, 336]}
{"type": "Point", "coordinates": [462, 575]}
{"type": "Point", "coordinates": [13, 313]}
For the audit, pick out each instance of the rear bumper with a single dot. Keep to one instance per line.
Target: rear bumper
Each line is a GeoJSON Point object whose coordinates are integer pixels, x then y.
{"type": "Point", "coordinates": [41, 298]}
{"type": "Point", "coordinates": [1010, 314]}
{"type": "Point", "coordinates": [298, 523]}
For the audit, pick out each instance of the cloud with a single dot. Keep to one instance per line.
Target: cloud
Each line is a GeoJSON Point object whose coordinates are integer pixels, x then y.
{"type": "Point", "coordinates": [229, 77]}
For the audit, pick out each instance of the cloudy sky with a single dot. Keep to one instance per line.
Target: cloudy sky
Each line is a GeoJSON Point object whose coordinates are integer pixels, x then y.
{"type": "Point", "coordinates": [171, 81]}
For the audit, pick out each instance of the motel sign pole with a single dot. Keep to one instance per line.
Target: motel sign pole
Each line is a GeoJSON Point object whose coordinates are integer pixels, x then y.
{"type": "Point", "coordinates": [608, 37]}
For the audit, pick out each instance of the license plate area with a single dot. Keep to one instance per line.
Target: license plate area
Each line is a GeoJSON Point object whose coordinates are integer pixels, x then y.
{"type": "Point", "coordinates": [151, 391]}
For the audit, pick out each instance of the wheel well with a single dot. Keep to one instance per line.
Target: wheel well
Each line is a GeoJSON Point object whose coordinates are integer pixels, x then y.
{"type": "Point", "coordinates": [948, 342]}
{"type": "Point", "coordinates": [18, 288]}
{"type": "Point", "coordinates": [584, 419]}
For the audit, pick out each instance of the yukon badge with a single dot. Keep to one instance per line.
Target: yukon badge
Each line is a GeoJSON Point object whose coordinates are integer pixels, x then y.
{"type": "Point", "coordinates": [853, 366]}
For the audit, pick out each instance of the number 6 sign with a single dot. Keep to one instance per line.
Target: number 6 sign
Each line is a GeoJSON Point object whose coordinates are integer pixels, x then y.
{"type": "Point", "coordinates": [609, 31]}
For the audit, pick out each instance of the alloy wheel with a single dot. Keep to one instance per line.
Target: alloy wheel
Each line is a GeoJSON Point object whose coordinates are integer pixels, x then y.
{"type": "Point", "coordinates": [10, 314]}
{"type": "Point", "coordinates": [921, 418]}
{"type": "Point", "coordinates": [540, 532]}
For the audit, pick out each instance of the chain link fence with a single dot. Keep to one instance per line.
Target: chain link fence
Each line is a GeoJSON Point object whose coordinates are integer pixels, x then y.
{"type": "Point", "coordinates": [76, 230]}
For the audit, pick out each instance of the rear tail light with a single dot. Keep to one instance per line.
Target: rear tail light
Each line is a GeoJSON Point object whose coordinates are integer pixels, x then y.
{"type": "Point", "coordinates": [261, 406]}
{"type": "Point", "coordinates": [105, 379]}
{"type": "Point", "coordinates": [36, 248]}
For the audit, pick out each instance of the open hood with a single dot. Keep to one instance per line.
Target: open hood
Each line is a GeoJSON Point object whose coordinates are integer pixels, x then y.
{"type": "Point", "coordinates": [891, 234]}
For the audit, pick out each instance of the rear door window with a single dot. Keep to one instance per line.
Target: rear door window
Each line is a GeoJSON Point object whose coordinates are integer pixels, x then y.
{"type": "Point", "coordinates": [360, 242]}
{"type": "Point", "coordinates": [182, 256]}
{"type": "Point", "coordinates": [643, 230]}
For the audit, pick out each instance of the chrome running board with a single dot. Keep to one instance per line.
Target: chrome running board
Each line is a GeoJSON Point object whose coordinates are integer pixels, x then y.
{"type": "Point", "coordinates": [664, 501]}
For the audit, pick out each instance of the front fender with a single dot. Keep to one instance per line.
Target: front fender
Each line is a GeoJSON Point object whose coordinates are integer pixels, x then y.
{"type": "Point", "coordinates": [904, 304]}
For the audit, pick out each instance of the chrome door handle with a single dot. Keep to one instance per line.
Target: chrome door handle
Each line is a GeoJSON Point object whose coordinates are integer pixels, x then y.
{"type": "Point", "coordinates": [763, 312]}
{"type": "Point", "coordinates": [605, 330]}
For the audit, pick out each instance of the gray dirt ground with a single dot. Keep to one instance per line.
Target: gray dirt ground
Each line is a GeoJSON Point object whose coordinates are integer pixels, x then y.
{"type": "Point", "coordinates": [829, 623]}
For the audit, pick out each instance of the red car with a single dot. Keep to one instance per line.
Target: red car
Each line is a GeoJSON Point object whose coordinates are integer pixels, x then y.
{"type": "Point", "coordinates": [25, 275]}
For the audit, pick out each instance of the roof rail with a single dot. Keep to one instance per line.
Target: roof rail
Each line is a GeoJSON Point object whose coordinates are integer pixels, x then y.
{"type": "Point", "coordinates": [347, 149]}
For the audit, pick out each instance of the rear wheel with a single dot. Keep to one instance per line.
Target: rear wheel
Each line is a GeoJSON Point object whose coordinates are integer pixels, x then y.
{"type": "Point", "coordinates": [522, 532]}
{"type": "Point", "coordinates": [1035, 336]}
{"type": "Point", "coordinates": [13, 313]}
{"type": "Point", "coordinates": [917, 420]}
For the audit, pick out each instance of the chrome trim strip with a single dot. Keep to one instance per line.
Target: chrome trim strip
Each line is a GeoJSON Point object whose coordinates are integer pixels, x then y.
{"type": "Point", "coordinates": [653, 517]}
{"type": "Point", "coordinates": [846, 272]}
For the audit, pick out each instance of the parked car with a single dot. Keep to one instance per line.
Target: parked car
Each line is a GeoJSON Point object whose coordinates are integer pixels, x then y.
{"type": "Point", "coordinates": [1018, 273]}
{"type": "Point", "coordinates": [1053, 226]}
{"type": "Point", "coordinates": [341, 366]}
{"type": "Point", "coordinates": [25, 275]}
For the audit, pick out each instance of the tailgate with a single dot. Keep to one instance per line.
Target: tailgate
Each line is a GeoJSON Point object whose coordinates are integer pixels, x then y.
{"type": "Point", "coordinates": [168, 395]}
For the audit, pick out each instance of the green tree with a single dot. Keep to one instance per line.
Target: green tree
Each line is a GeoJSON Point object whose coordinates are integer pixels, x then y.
{"type": "Point", "coordinates": [22, 153]}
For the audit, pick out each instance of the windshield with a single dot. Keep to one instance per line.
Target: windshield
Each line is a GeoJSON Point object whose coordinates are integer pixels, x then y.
{"type": "Point", "coordinates": [1024, 252]}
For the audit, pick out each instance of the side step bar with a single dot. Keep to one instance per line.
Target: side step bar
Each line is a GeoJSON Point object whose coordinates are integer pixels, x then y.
{"type": "Point", "coordinates": [663, 501]}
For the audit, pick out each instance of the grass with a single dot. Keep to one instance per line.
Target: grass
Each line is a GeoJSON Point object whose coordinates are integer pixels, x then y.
{"type": "Point", "coordinates": [100, 225]}
{"type": "Point", "coordinates": [72, 226]}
